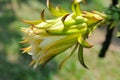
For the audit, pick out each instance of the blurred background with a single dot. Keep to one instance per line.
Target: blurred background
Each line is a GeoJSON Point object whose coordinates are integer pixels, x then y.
{"type": "Point", "coordinates": [14, 64]}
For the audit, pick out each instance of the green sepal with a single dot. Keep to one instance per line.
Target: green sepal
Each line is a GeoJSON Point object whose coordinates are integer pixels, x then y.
{"type": "Point", "coordinates": [83, 42]}
{"type": "Point", "coordinates": [99, 13]}
{"type": "Point", "coordinates": [76, 7]}
{"type": "Point", "coordinates": [80, 56]}
{"type": "Point", "coordinates": [58, 8]}
{"type": "Point", "coordinates": [67, 20]}
{"type": "Point", "coordinates": [31, 22]}
{"type": "Point", "coordinates": [42, 15]}
{"type": "Point", "coordinates": [54, 11]}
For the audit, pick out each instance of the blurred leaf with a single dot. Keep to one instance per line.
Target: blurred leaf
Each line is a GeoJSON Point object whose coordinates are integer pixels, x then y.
{"type": "Point", "coordinates": [118, 34]}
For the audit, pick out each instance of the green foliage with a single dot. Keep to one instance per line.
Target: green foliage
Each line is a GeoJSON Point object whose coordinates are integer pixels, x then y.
{"type": "Point", "coordinates": [113, 16]}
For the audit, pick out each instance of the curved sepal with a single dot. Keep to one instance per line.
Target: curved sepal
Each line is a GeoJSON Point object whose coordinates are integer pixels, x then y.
{"type": "Point", "coordinates": [99, 13]}
{"type": "Point", "coordinates": [58, 8]}
{"type": "Point", "coordinates": [24, 41]}
{"type": "Point", "coordinates": [80, 56]}
{"type": "Point", "coordinates": [64, 17]}
{"type": "Point", "coordinates": [31, 22]}
{"type": "Point", "coordinates": [42, 15]}
{"type": "Point", "coordinates": [27, 49]}
{"type": "Point", "coordinates": [54, 11]}
{"type": "Point", "coordinates": [83, 42]}
{"type": "Point", "coordinates": [76, 7]}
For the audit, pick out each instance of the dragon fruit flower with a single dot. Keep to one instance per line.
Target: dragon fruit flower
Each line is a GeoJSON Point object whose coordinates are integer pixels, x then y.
{"type": "Point", "coordinates": [48, 38]}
